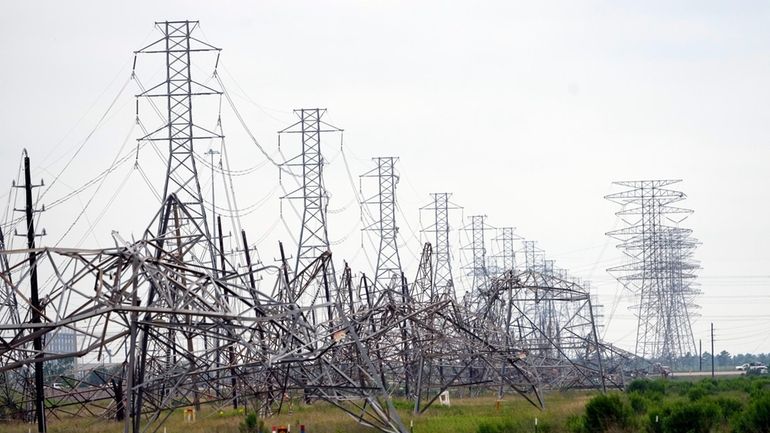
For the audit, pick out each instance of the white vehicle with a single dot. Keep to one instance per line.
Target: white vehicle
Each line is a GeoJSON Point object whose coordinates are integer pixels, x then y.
{"type": "Point", "coordinates": [742, 367]}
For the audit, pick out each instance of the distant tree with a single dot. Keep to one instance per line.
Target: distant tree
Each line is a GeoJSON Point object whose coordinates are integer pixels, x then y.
{"type": "Point", "coordinates": [53, 370]}
{"type": "Point", "coordinates": [97, 377]}
{"type": "Point", "coordinates": [706, 358]}
{"type": "Point", "coordinates": [723, 359]}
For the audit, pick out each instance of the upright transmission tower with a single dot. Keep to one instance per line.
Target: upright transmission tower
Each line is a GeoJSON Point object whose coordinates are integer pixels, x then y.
{"type": "Point", "coordinates": [534, 259]}
{"type": "Point", "coordinates": [442, 275]}
{"type": "Point", "coordinates": [505, 260]}
{"type": "Point", "coordinates": [660, 269]}
{"type": "Point", "coordinates": [183, 232]}
{"type": "Point", "coordinates": [388, 270]}
{"type": "Point", "coordinates": [180, 131]}
{"type": "Point", "coordinates": [477, 269]}
{"type": "Point", "coordinates": [314, 237]}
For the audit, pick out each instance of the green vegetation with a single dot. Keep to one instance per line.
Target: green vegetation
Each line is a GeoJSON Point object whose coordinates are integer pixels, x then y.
{"type": "Point", "coordinates": [466, 415]}
{"type": "Point", "coordinates": [251, 424]}
{"type": "Point", "coordinates": [735, 405]}
{"type": "Point", "coordinates": [739, 405]}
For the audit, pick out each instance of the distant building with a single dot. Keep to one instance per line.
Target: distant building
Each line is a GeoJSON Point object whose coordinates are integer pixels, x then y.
{"type": "Point", "coordinates": [61, 341]}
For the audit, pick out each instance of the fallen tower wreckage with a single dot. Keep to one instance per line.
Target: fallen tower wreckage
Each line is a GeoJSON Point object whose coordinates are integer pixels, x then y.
{"type": "Point", "coordinates": [197, 335]}
{"type": "Point", "coordinates": [190, 327]}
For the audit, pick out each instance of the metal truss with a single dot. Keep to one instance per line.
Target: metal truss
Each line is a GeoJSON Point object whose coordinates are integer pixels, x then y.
{"type": "Point", "coordinates": [388, 273]}
{"type": "Point", "coordinates": [660, 268]}
{"type": "Point", "coordinates": [440, 207]}
{"type": "Point", "coordinates": [478, 268]}
{"type": "Point", "coordinates": [505, 259]}
{"type": "Point", "coordinates": [534, 259]}
{"type": "Point", "coordinates": [314, 237]}
{"type": "Point", "coordinates": [171, 321]}
{"type": "Point", "coordinates": [184, 346]}
{"type": "Point", "coordinates": [180, 131]}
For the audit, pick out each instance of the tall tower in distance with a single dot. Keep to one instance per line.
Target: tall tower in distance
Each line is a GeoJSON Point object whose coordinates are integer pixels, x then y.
{"type": "Point", "coordinates": [388, 267]}
{"type": "Point", "coordinates": [180, 132]}
{"type": "Point", "coordinates": [314, 236]}
{"type": "Point", "coordinates": [660, 269]}
{"type": "Point", "coordinates": [442, 274]}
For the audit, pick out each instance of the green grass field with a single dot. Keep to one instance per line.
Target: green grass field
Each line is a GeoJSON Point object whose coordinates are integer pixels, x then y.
{"type": "Point", "coordinates": [464, 416]}
{"type": "Point", "coordinates": [725, 405]}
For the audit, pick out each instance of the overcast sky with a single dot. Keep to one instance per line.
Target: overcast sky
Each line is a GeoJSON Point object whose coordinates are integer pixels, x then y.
{"type": "Point", "coordinates": [525, 111]}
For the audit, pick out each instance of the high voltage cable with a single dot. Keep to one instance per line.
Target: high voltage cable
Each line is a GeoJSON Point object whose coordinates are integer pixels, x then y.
{"type": "Point", "coordinates": [101, 183]}
{"type": "Point", "coordinates": [246, 128]}
{"type": "Point", "coordinates": [220, 170]}
{"type": "Point", "coordinates": [104, 210]}
{"type": "Point", "coordinates": [88, 137]}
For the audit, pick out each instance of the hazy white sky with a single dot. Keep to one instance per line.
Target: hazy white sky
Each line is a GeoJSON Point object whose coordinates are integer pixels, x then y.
{"type": "Point", "coordinates": [525, 111]}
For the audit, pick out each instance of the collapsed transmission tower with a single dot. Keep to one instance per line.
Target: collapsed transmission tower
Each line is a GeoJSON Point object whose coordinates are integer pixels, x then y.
{"type": "Point", "coordinates": [388, 268]}
{"type": "Point", "coordinates": [660, 269]}
{"type": "Point", "coordinates": [183, 236]}
{"type": "Point", "coordinates": [189, 327]}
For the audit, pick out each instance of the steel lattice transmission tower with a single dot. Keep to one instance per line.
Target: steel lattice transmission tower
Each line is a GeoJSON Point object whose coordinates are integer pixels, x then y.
{"type": "Point", "coordinates": [180, 131]}
{"type": "Point", "coordinates": [477, 269]}
{"type": "Point", "coordinates": [505, 260]}
{"type": "Point", "coordinates": [660, 270]}
{"type": "Point", "coordinates": [388, 267]}
{"type": "Point", "coordinates": [314, 237]}
{"type": "Point", "coordinates": [534, 259]}
{"type": "Point", "coordinates": [442, 273]}
{"type": "Point", "coordinates": [183, 231]}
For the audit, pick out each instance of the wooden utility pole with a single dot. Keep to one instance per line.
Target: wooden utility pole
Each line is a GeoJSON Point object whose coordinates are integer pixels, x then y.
{"type": "Point", "coordinates": [37, 343]}
{"type": "Point", "coordinates": [700, 354]}
{"type": "Point", "coordinates": [712, 350]}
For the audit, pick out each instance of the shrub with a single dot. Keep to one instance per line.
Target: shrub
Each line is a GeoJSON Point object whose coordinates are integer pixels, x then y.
{"type": "Point", "coordinates": [696, 393]}
{"type": "Point", "coordinates": [699, 417]}
{"type": "Point", "coordinates": [656, 417]}
{"type": "Point", "coordinates": [679, 387]}
{"type": "Point", "coordinates": [647, 387]}
{"type": "Point", "coordinates": [251, 424]}
{"type": "Point", "coordinates": [576, 424]}
{"type": "Point", "coordinates": [505, 427]}
{"type": "Point", "coordinates": [759, 388]}
{"type": "Point", "coordinates": [756, 418]}
{"type": "Point", "coordinates": [608, 411]}
{"type": "Point", "coordinates": [638, 403]}
{"type": "Point", "coordinates": [729, 406]}
{"type": "Point", "coordinates": [486, 428]}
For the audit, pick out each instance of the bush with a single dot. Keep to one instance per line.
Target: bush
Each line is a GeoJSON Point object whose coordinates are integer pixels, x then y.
{"type": "Point", "coordinates": [696, 393]}
{"type": "Point", "coordinates": [756, 418]}
{"type": "Point", "coordinates": [251, 424]}
{"type": "Point", "coordinates": [505, 427]}
{"type": "Point", "coordinates": [656, 417]}
{"type": "Point", "coordinates": [647, 387]}
{"type": "Point", "coordinates": [486, 428]}
{"type": "Point", "coordinates": [679, 387]}
{"type": "Point", "coordinates": [576, 424]}
{"type": "Point", "coordinates": [699, 417]}
{"type": "Point", "coordinates": [638, 403]}
{"type": "Point", "coordinates": [759, 387]}
{"type": "Point", "coordinates": [606, 412]}
{"type": "Point", "coordinates": [729, 406]}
